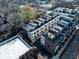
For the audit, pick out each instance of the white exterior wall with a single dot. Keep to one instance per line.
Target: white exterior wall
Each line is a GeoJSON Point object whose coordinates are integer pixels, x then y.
{"type": "Point", "coordinates": [43, 29]}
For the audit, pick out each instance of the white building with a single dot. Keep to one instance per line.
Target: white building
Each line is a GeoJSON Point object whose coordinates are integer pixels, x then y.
{"type": "Point", "coordinates": [13, 48]}
{"type": "Point", "coordinates": [37, 32]}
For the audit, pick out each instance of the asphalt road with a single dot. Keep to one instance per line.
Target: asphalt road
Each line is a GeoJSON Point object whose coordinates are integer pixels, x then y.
{"type": "Point", "coordinates": [72, 49]}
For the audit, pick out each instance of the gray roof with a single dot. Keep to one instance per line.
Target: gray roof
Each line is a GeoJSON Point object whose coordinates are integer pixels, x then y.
{"type": "Point", "coordinates": [58, 27]}
{"type": "Point", "coordinates": [41, 19]}
{"type": "Point", "coordinates": [53, 29]}
{"type": "Point", "coordinates": [29, 27]}
{"type": "Point", "coordinates": [33, 24]}
{"type": "Point", "coordinates": [65, 22]}
{"type": "Point", "coordinates": [38, 22]}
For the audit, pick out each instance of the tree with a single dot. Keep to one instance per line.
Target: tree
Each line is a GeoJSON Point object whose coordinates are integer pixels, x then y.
{"type": "Point", "coordinates": [28, 13]}
{"type": "Point", "coordinates": [15, 22]}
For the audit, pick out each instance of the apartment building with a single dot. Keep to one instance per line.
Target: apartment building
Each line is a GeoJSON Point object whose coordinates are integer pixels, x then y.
{"type": "Point", "coordinates": [38, 27]}
{"type": "Point", "coordinates": [35, 29]}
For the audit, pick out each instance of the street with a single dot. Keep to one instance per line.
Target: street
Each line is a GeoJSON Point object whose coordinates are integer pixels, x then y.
{"type": "Point", "coordinates": [72, 49]}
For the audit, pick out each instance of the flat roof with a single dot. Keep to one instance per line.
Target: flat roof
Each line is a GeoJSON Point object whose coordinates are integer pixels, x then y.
{"type": "Point", "coordinates": [13, 48]}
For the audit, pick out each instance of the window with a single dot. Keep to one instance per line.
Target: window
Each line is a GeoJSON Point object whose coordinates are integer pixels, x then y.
{"type": "Point", "coordinates": [32, 37]}
{"type": "Point", "coordinates": [41, 31]}
{"type": "Point", "coordinates": [38, 35]}
{"type": "Point", "coordinates": [45, 29]}
{"type": "Point", "coordinates": [50, 26]}
{"type": "Point", "coordinates": [37, 31]}
{"type": "Point", "coordinates": [49, 23]}
{"type": "Point", "coordinates": [34, 33]}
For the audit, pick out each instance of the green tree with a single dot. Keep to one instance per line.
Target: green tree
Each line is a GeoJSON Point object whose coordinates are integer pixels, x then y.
{"type": "Point", "coordinates": [28, 13]}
